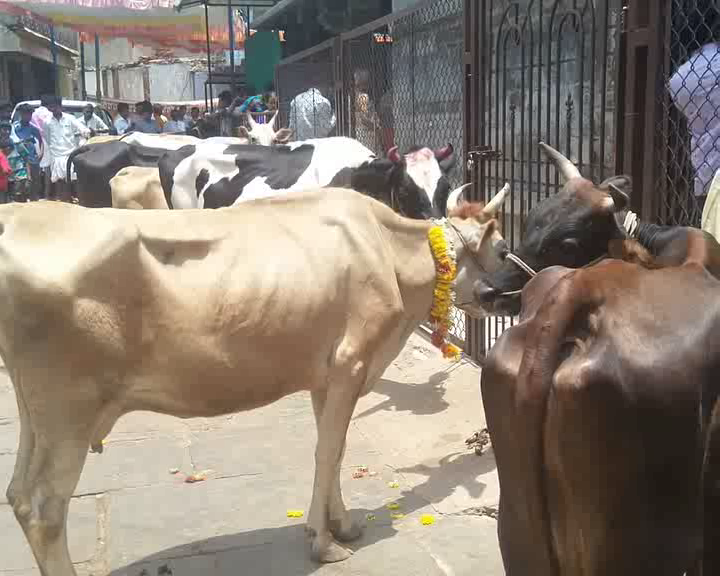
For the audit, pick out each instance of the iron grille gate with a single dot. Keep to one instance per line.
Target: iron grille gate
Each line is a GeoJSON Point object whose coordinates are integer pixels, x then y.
{"type": "Point", "coordinates": [536, 70]}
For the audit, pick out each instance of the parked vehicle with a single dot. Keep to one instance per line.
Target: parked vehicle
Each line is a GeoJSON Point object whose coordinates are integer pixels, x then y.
{"type": "Point", "coordinates": [74, 107]}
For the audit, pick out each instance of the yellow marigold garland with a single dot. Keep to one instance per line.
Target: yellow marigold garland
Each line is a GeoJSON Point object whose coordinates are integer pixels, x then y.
{"type": "Point", "coordinates": [445, 272]}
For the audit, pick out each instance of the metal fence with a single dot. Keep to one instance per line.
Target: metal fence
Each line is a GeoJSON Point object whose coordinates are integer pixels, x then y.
{"type": "Point", "coordinates": [688, 125]}
{"type": "Point", "coordinates": [539, 70]}
{"type": "Point", "coordinates": [394, 82]}
{"type": "Point", "coordinates": [311, 76]}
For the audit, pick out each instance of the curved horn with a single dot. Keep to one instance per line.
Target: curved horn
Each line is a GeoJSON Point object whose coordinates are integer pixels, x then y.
{"type": "Point", "coordinates": [498, 200]}
{"type": "Point", "coordinates": [394, 155]}
{"type": "Point", "coordinates": [442, 153]}
{"type": "Point", "coordinates": [272, 120]}
{"type": "Point", "coordinates": [251, 121]}
{"type": "Point", "coordinates": [564, 166]}
{"type": "Point", "coordinates": [456, 198]}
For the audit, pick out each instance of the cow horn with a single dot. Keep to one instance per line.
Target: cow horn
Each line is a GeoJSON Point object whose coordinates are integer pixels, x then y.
{"type": "Point", "coordinates": [394, 155]}
{"type": "Point", "coordinates": [564, 166]}
{"type": "Point", "coordinates": [498, 200]}
{"type": "Point", "coordinates": [272, 120]}
{"type": "Point", "coordinates": [251, 120]}
{"type": "Point", "coordinates": [442, 153]}
{"type": "Point", "coordinates": [456, 197]}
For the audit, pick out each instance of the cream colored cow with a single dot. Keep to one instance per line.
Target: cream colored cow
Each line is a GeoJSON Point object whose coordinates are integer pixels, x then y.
{"type": "Point", "coordinates": [138, 188]}
{"type": "Point", "coordinates": [105, 311]}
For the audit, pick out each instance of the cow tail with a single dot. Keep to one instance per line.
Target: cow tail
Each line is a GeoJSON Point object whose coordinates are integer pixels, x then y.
{"type": "Point", "coordinates": [71, 157]}
{"type": "Point", "coordinates": [544, 342]}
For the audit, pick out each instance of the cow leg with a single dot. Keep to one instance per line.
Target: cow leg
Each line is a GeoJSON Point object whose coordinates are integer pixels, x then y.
{"type": "Point", "coordinates": [342, 395]}
{"type": "Point", "coordinates": [25, 451]}
{"type": "Point", "coordinates": [341, 525]}
{"type": "Point", "coordinates": [43, 487]}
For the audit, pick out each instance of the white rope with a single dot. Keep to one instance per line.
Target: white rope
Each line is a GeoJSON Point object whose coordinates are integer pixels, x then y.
{"type": "Point", "coordinates": [520, 264]}
{"type": "Point", "coordinates": [631, 224]}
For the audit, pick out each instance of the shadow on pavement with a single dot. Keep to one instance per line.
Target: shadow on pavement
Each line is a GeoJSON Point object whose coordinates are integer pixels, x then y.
{"type": "Point", "coordinates": [421, 399]}
{"type": "Point", "coordinates": [284, 551]}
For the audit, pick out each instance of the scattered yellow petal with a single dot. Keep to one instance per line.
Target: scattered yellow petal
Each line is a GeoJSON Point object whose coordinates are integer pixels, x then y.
{"type": "Point", "coordinates": [193, 478]}
{"type": "Point", "coordinates": [393, 485]}
{"type": "Point", "coordinates": [295, 513]}
{"type": "Point", "coordinates": [393, 506]}
{"type": "Point", "coordinates": [362, 469]}
{"type": "Point", "coordinates": [370, 516]}
{"type": "Point", "coordinates": [427, 519]}
{"type": "Point", "coordinates": [397, 516]}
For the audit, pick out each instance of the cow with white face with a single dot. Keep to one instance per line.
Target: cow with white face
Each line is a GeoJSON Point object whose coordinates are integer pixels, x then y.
{"type": "Point", "coordinates": [206, 176]}
{"type": "Point", "coordinates": [264, 134]}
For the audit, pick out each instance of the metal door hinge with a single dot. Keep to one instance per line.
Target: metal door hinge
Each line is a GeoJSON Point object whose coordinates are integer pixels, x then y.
{"type": "Point", "coordinates": [482, 153]}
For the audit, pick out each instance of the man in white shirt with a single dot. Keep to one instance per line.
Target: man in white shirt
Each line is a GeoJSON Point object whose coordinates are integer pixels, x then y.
{"type": "Point", "coordinates": [61, 136]}
{"type": "Point", "coordinates": [311, 115]}
{"type": "Point", "coordinates": [122, 122]}
{"type": "Point", "coordinates": [92, 121]}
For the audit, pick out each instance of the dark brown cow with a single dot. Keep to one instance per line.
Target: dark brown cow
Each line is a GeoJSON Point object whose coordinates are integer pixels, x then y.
{"type": "Point", "coordinates": [600, 408]}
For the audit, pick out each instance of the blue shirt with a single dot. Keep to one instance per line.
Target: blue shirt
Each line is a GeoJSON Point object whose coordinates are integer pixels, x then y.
{"type": "Point", "coordinates": [121, 125]}
{"type": "Point", "coordinates": [28, 132]}
{"type": "Point", "coordinates": [146, 126]}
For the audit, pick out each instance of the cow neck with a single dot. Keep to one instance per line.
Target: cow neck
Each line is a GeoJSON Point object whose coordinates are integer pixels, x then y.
{"type": "Point", "coordinates": [413, 261]}
{"type": "Point", "coordinates": [442, 247]}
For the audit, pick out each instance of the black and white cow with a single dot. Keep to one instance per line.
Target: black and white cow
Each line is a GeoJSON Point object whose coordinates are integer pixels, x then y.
{"type": "Point", "coordinates": [212, 176]}
{"type": "Point", "coordinates": [99, 160]}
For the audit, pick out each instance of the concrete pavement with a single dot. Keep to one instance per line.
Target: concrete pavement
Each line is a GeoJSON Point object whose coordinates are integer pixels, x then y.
{"type": "Point", "coordinates": [130, 514]}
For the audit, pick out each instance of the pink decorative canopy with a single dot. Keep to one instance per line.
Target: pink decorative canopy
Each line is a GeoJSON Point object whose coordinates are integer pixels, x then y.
{"type": "Point", "coordinates": [149, 22]}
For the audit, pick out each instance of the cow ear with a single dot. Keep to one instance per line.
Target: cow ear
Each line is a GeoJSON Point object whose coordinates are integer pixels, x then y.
{"type": "Point", "coordinates": [446, 158]}
{"type": "Point", "coordinates": [617, 187]}
{"type": "Point", "coordinates": [283, 135]}
{"type": "Point", "coordinates": [243, 132]}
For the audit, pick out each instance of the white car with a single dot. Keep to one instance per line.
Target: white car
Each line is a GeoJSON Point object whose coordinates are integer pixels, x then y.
{"type": "Point", "coordinates": [74, 107]}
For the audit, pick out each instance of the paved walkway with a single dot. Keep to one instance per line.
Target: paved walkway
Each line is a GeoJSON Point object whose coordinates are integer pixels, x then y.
{"type": "Point", "coordinates": [131, 514]}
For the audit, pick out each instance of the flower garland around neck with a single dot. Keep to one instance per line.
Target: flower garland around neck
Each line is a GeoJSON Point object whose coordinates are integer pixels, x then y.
{"type": "Point", "coordinates": [443, 295]}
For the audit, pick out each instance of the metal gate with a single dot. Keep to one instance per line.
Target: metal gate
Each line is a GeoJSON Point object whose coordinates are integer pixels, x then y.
{"type": "Point", "coordinates": [536, 70]}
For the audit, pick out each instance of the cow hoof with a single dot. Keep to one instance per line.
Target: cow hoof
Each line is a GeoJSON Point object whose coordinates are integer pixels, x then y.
{"type": "Point", "coordinates": [326, 551]}
{"type": "Point", "coordinates": [345, 531]}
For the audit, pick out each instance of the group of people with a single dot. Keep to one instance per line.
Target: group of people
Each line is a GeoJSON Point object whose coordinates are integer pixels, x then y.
{"type": "Point", "coordinates": [34, 150]}
{"type": "Point", "coordinates": [151, 119]}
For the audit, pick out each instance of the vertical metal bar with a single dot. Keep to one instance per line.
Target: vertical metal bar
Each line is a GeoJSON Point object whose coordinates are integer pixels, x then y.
{"type": "Point", "coordinates": [530, 141]}
{"type": "Point", "coordinates": [98, 75]}
{"type": "Point", "coordinates": [539, 96]}
{"type": "Point", "coordinates": [231, 46]}
{"type": "Point", "coordinates": [53, 50]}
{"type": "Point", "coordinates": [83, 86]}
{"type": "Point", "coordinates": [209, 63]}
{"type": "Point", "coordinates": [595, 173]}
{"type": "Point", "coordinates": [412, 73]}
{"type": "Point", "coordinates": [603, 83]}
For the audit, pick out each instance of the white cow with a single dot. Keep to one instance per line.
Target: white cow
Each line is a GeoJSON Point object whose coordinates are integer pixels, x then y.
{"type": "Point", "coordinates": [106, 311]}
{"type": "Point", "coordinates": [137, 188]}
{"type": "Point", "coordinates": [264, 134]}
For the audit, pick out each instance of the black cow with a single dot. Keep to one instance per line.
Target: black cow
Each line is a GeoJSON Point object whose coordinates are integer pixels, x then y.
{"type": "Point", "coordinates": [96, 164]}
{"type": "Point", "coordinates": [577, 226]}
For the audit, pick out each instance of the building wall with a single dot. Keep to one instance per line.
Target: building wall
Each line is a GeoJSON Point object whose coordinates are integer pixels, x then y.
{"type": "Point", "coordinates": [170, 82]}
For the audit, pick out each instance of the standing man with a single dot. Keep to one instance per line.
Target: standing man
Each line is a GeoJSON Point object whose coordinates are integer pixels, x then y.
{"type": "Point", "coordinates": [311, 115]}
{"type": "Point", "coordinates": [40, 117]}
{"type": "Point", "coordinates": [92, 121]}
{"type": "Point", "coordinates": [122, 122]}
{"type": "Point", "coordinates": [143, 121]}
{"type": "Point", "coordinates": [29, 136]}
{"type": "Point", "coordinates": [61, 134]}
